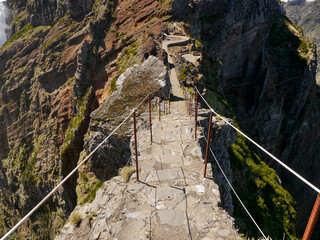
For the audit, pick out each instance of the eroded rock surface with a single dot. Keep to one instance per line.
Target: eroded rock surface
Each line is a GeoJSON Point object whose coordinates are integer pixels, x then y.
{"type": "Point", "coordinates": [263, 66]}
{"type": "Point", "coordinates": [171, 201]}
{"type": "Point", "coordinates": [132, 87]}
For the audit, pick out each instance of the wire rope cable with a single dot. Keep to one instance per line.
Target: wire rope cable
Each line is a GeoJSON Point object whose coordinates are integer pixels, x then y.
{"type": "Point", "coordinates": [234, 191]}
{"type": "Point", "coordinates": [261, 148]}
{"type": "Point", "coordinates": [70, 174]}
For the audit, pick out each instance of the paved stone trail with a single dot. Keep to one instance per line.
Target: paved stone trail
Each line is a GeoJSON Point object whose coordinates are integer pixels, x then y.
{"type": "Point", "coordinates": [172, 199]}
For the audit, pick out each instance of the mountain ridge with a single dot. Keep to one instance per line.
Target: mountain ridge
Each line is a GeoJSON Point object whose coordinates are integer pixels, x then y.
{"type": "Point", "coordinates": [53, 77]}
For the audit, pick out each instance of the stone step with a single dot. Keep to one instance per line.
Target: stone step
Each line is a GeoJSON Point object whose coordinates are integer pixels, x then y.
{"type": "Point", "coordinates": [164, 175]}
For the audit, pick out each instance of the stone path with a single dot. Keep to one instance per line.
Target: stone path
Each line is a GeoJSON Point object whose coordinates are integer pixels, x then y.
{"type": "Point", "coordinates": [190, 58]}
{"type": "Point", "coordinates": [180, 106]}
{"type": "Point", "coordinates": [172, 199]}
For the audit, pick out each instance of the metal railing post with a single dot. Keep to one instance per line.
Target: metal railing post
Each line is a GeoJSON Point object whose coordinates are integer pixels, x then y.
{"type": "Point", "coordinates": [312, 220]}
{"type": "Point", "coordinates": [208, 144]}
{"type": "Point", "coordinates": [150, 118]}
{"type": "Point", "coordinates": [169, 101]}
{"type": "Point", "coordinates": [159, 104]}
{"type": "Point", "coordinates": [135, 143]}
{"type": "Point", "coordinates": [196, 114]}
{"type": "Point", "coordinates": [189, 105]}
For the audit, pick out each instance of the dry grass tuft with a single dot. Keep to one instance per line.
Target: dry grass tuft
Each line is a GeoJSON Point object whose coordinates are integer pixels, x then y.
{"type": "Point", "coordinates": [126, 173]}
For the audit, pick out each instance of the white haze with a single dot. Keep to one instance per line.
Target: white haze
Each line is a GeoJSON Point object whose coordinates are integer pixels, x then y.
{"type": "Point", "coordinates": [3, 37]}
{"type": "Point", "coordinates": [289, 0]}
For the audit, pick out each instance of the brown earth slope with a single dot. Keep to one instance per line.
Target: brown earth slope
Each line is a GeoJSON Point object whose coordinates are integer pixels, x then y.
{"type": "Point", "coordinates": [54, 70]}
{"type": "Point", "coordinates": [62, 62]}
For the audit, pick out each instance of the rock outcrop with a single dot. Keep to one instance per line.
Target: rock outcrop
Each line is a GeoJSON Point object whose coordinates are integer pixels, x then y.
{"type": "Point", "coordinates": [264, 69]}
{"type": "Point", "coordinates": [81, 77]}
{"type": "Point", "coordinates": [306, 15]}
{"type": "Point", "coordinates": [132, 87]}
{"type": "Point", "coordinates": [58, 65]}
{"type": "Point", "coordinates": [60, 70]}
{"type": "Point", "coordinates": [223, 137]}
{"type": "Point", "coordinates": [42, 13]}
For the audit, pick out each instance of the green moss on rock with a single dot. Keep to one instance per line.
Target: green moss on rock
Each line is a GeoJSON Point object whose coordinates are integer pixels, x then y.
{"type": "Point", "coordinates": [27, 28]}
{"type": "Point", "coordinates": [126, 58]}
{"type": "Point", "coordinates": [256, 183]}
{"type": "Point", "coordinates": [87, 188]}
{"type": "Point", "coordinates": [258, 186]}
{"type": "Point", "coordinates": [74, 123]}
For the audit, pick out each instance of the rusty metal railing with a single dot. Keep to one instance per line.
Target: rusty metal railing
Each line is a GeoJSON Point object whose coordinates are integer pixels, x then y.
{"type": "Point", "coordinates": [312, 220]}
{"type": "Point", "coordinates": [86, 159]}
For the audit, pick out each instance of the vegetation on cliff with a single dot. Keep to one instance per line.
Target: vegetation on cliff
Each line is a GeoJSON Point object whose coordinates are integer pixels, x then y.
{"type": "Point", "coordinates": [262, 77]}
{"type": "Point", "coordinates": [259, 187]}
{"type": "Point", "coordinates": [36, 63]}
{"type": "Point", "coordinates": [45, 126]}
{"type": "Point", "coordinates": [305, 14]}
{"type": "Point", "coordinates": [257, 184]}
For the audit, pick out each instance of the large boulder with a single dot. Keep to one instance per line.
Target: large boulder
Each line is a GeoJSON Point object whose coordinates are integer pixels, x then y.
{"type": "Point", "coordinates": [132, 87]}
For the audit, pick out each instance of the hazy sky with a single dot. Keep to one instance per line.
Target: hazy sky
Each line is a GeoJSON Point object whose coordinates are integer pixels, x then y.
{"type": "Point", "coordinates": [2, 24]}
{"type": "Point", "coordinates": [306, 0]}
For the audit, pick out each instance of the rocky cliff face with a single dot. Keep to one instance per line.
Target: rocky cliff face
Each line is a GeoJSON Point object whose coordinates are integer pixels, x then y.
{"type": "Point", "coordinates": [263, 71]}
{"type": "Point", "coordinates": [42, 13]}
{"type": "Point", "coordinates": [63, 60]}
{"type": "Point", "coordinates": [306, 14]}
{"type": "Point", "coordinates": [56, 68]}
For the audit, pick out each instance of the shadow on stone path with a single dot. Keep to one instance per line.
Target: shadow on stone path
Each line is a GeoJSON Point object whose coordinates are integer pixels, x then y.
{"type": "Point", "coordinates": [172, 199]}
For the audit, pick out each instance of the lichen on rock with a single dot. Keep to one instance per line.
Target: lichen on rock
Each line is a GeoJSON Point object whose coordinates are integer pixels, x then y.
{"type": "Point", "coordinates": [132, 87]}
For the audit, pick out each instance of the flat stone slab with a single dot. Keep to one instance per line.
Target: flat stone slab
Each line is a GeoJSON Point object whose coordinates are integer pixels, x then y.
{"type": "Point", "coordinates": [139, 215]}
{"type": "Point", "coordinates": [224, 232]}
{"type": "Point", "coordinates": [164, 175]}
{"type": "Point", "coordinates": [173, 138]}
{"type": "Point", "coordinates": [165, 194]}
{"type": "Point", "coordinates": [172, 217]}
{"type": "Point", "coordinates": [190, 58]}
{"type": "Point", "coordinates": [171, 159]}
{"type": "Point", "coordinates": [135, 187]}
{"type": "Point", "coordinates": [200, 188]}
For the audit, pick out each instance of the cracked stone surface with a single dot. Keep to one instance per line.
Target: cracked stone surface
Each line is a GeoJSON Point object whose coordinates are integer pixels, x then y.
{"type": "Point", "coordinates": [172, 199]}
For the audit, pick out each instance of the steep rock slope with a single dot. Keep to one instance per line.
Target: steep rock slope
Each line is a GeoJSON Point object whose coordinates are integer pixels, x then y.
{"type": "Point", "coordinates": [53, 76]}
{"type": "Point", "coordinates": [306, 14]}
{"type": "Point", "coordinates": [261, 70]}
{"type": "Point", "coordinates": [257, 184]}
{"type": "Point", "coordinates": [45, 12]}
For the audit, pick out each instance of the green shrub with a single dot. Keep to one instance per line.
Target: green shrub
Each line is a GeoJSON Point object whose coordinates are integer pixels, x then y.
{"type": "Point", "coordinates": [198, 43]}
{"type": "Point", "coordinates": [91, 215]}
{"type": "Point", "coordinates": [87, 188]}
{"type": "Point", "coordinates": [97, 4]}
{"type": "Point", "coordinates": [183, 74]}
{"type": "Point", "coordinates": [74, 123]}
{"type": "Point", "coordinates": [53, 41]}
{"type": "Point", "coordinates": [21, 15]}
{"type": "Point", "coordinates": [75, 218]}
{"type": "Point", "coordinates": [126, 58]}
{"type": "Point", "coordinates": [113, 86]}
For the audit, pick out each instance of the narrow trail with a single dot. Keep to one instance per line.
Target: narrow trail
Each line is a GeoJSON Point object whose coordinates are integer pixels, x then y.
{"type": "Point", "coordinates": [172, 199]}
{"type": "Point", "coordinates": [176, 89]}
